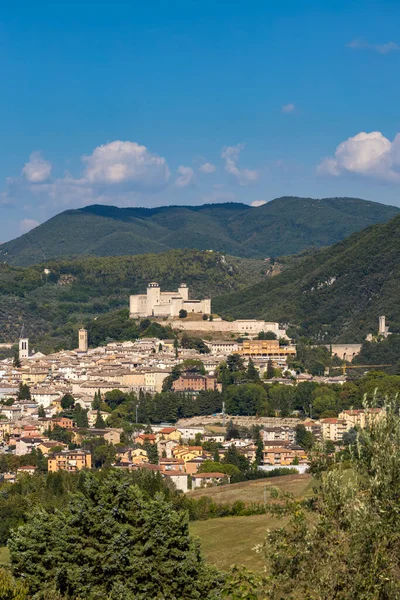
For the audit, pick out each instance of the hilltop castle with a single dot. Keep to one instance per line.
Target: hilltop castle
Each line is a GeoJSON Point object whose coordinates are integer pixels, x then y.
{"type": "Point", "coordinates": [156, 303]}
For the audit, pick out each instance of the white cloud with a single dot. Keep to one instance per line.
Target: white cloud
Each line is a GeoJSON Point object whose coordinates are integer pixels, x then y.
{"type": "Point", "coordinates": [37, 169]}
{"type": "Point", "coordinates": [230, 154]}
{"type": "Point", "coordinates": [27, 224]}
{"type": "Point", "coordinates": [125, 163]}
{"type": "Point", "coordinates": [186, 176]}
{"type": "Point", "coordinates": [256, 203]}
{"type": "Point", "coordinates": [368, 154]}
{"type": "Point", "coordinates": [359, 44]}
{"type": "Point", "coordinates": [207, 168]}
{"type": "Point", "coordinates": [288, 108]}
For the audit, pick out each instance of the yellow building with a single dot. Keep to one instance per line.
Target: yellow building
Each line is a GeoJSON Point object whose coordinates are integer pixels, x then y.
{"type": "Point", "coordinates": [360, 417]}
{"type": "Point", "coordinates": [333, 429]}
{"type": "Point", "coordinates": [169, 433]}
{"type": "Point", "coordinates": [265, 348]}
{"type": "Point", "coordinates": [187, 453]}
{"type": "Point", "coordinates": [70, 461]}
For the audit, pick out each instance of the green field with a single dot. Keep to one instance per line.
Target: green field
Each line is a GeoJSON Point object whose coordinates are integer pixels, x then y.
{"type": "Point", "coordinates": [4, 556]}
{"type": "Point", "coordinates": [253, 491]}
{"type": "Point", "coordinates": [231, 540]}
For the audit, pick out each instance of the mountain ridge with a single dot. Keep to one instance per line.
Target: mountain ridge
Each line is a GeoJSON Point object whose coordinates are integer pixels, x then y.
{"type": "Point", "coordinates": [283, 226]}
{"type": "Point", "coordinates": [332, 295]}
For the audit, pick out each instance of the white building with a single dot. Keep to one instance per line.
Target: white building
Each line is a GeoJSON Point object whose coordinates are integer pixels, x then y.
{"type": "Point", "coordinates": [156, 303]}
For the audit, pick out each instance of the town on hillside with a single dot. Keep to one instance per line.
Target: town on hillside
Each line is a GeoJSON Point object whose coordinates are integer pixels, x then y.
{"type": "Point", "coordinates": [203, 409]}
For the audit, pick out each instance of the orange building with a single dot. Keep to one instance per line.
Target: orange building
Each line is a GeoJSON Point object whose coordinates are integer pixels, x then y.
{"type": "Point", "coordinates": [69, 461]}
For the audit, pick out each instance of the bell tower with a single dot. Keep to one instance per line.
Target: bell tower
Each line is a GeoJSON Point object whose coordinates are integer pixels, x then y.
{"type": "Point", "coordinates": [83, 340]}
{"type": "Point", "coordinates": [23, 345]}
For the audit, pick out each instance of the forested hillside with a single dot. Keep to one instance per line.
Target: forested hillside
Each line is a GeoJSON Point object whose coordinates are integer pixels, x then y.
{"type": "Point", "coordinates": [283, 226]}
{"type": "Point", "coordinates": [335, 294]}
{"type": "Point", "coordinates": [52, 304]}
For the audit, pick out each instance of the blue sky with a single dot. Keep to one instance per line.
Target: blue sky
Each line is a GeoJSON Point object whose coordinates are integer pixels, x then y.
{"type": "Point", "coordinates": [186, 102]}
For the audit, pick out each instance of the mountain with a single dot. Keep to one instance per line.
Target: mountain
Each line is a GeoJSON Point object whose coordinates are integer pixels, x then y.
{"type": "Point", "coordinates": [334, 294]}
{"type": "Point", "coordinates": [283, 226]}
{"type": "Point", "coordinates": [53, 304]}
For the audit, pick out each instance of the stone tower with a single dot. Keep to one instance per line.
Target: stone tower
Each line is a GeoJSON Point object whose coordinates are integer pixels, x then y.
{"type": "Point", "coordinates": [153, 297]}
{"type": "Point", "coordinates": [23, 345]}
{"type": "Point", "coordinates": [83, 340]}
{"type": "Point", "coordinates": [382, 325]}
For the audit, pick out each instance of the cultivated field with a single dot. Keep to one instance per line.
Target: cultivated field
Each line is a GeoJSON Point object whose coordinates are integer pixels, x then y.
{"type": "Point", "coordinates": [231, 540]}
{"type": "Point", "coordinates": [253, 491]}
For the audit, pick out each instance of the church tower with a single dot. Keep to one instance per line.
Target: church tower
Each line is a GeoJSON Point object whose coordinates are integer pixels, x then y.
{"type": "Point", "coordinates": [23, 345]}
{"type": "Point", "coordinates": [83, 340]}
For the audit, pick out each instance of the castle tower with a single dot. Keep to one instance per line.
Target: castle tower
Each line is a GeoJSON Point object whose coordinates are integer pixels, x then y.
{"type": "Point", "coordinates": [83, 340]}
{"type": "Point", "coordinates": [153, 297]}
{"type": "Point", "coordinates": [183, 291]}
{"type": "Point", "coordinates": [23, 345]}
{"type": "Point", "coordinates": [382, 325]}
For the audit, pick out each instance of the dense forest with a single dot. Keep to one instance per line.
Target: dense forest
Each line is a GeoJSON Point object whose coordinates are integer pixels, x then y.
{"type": "Point", "coordinates": [335, 294]}
{"type": "Point", "coordinates": [283, 226]}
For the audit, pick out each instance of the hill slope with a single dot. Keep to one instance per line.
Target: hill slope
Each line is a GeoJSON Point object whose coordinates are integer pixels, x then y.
{"type": "Point", "coordinates": [335, 294]}
{"type": "Point", "coordinates": [76, 291]}
{"type": "Point", "coordinates": [280, 227]}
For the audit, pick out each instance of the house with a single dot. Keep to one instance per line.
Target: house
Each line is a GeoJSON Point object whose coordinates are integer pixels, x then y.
{"type": "Point", "coordinates": [187, 452]}
{"type": "Point", "coordinates": [178, 478]}
{"type": "Point", "coordinates": [209, 479]}
{"type": "Point", "coordinates": [26, 445]}
{"type": "Point", "coordinates": [111, 435]}
{"type": "Point", "coordinates": [11, 413]}
{"type": "Point", "coordinates": [70, 461]}
{"type": "Point", "coordinates": [189, 433]}
{"type": "Point", "coordinates": [48, 447]}
{"type": "Point", "coordinates": [172, 464]}
{"type": "Point", "coordinates": [63, 422]}
{"type": "Point", "coordinates": [192, 466]}
{"type": "Point", "coordinates": [214, 437]}
{"type": "Point", "coordinates": [142, 438]}
{"type": "Point", "coordinates": [45, 396]}
{"type": "Point", "coordinates": [27, 470]}
{"type": "Point", "coordinates": [165, 447]}
{"type": "Point", "coordinates": [169, 433]}
{"type": "Point", "coordinates": [282, 457]}
{"type": "Point", "coordinates": [139, 456]}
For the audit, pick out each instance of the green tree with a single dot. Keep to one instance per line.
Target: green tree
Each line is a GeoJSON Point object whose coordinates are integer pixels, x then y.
{"type": "Point", "coordinates": [304, 438]}
{"type": "Point", "coordinates": [152, 452]}
{"type": "Point", "coordinates": [347, 544]}
{"type": "Point", "coordinates": [266, 335]}
{"type": "Point", "coordinates": [110, 541]}
{"type": "Point", "coordinates": [259, 450]}
{"type": "Point", "coordinates": [103, 455]}
{"type": "Point", "coordinates": [11, 589]}
{"type": "Point", "coordinates": [41, 412]}
{"type": "Point", "coordinates": [100, 423]}
{"type": "Point", "coordinates": [67, 402]}
{"type": "Point", "coordinates": [270, 370]}
{"type": "Point", "coordinates": [24, 393]}
{"type": "Point", "coordinates": [182, 313]}
{"type": "Point", "coordinates": [252, 373]}
{"type": "Point", "coordinates": [16, 360]}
